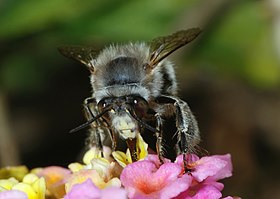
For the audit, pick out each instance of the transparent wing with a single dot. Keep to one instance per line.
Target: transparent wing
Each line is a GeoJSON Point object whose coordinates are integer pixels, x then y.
{"type": "Point", "coordinates": [83, 54]}
{"type": "Point", "coordinates": [161, 47]}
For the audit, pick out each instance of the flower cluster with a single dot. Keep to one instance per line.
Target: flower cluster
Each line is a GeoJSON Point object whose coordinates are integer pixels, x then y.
{"type": "Point", "coordinates": [110, 175]}
{"type": "Point", "coordinates": [20, 184]}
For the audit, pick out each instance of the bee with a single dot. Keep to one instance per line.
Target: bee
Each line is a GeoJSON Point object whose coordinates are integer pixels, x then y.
{"type": "Point", "coordinates": [134, 91]}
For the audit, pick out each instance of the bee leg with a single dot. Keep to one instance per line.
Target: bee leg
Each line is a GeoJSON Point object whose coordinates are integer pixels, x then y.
{"type": "Point", "coordinates": [187, 129]}
{"type": "Point", "coordinates": [114, 140]}
{"type": "Point", "coordinates": [96, 124]}
{"type": "Point", "coordinates": [188, 132]}
{"type": "Point", "coordinates": [159, 146]}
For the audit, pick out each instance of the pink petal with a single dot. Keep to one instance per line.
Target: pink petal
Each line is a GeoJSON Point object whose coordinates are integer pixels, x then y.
{"type": "Point", "coordinates": [154, 159]}
{"type": "Point", "coordinates": [54, 170]}
{"type": "Point", "coordinates": [178, 186]}
{"type": "Point", "coordinates": [55, 177]}
{"type": "Point", "coordinates": [201, 191]}
{"type": "Point", "coordinates": [227, 170]}
{"type": "Point", "coordinates": [113, 192]}
{"type": "Point", "coordinates": [208, 192]}
{"type": "Point", "coordinates": [217, 167]}
{"type": "Point", "coordinates": [85, 190]}
{"type": "Point", "coordinates": [13, 194]}
{"type": "Point", "coordinates": [144, 180]}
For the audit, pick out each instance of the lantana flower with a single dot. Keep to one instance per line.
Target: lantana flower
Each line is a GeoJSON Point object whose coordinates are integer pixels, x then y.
{"type": "Point", "coordinates": [144, 179]}
{"type": "Point", "coordinates": [56, 178]}
{"type": "Point", "coordinates": [88, 190]}
{"type": "Point", "coordinates": [149, 179]}
{"type": "Point", "coordinates": [114, 175]}
{"type": "Point", "coordinates": [85, 174]}
{"type": "Point", "coordinates": [17, 172]}
{"type": "Point", "coordinates": [13, 194]}
{"type": "Point", "coordinates": [31, 186]}
{"type": "Point", "coordinates": [214, 167]}
{"type": "Point", "coordinates": [125, 158]}
{"type": "Point", "coordinates": [102, 171]}
{"type": "Point", "coordinates": [205, 173]}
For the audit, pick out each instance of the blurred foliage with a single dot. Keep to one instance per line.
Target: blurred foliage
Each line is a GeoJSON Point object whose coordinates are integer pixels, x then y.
{"type": "Point", "coordinates": [84, 19]}
{"type": "Point", "coordinates": [239, 43]}
{"type": "Point", "coordinates": [31, 30]}
{"type": "Point", "coordinates": [242, 45]}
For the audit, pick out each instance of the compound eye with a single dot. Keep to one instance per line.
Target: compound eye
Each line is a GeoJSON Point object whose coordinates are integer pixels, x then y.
{"type": "Point", "coordinates": [140, 106]}
{"type": "Point", "coordinates": [102, 104]}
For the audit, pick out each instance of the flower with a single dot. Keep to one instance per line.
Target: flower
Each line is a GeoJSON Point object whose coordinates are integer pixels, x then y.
{"type": "Point", "coordinates": [215, 167]}
{"type": "Point", "coordinates": [13, 194]}
{"type": "Point", "coordinates": [6, 191]}
{"type": "Point", "coordinates": [205, 173]}
{"type": "Point", "coordinates": [103, 176]}
{"type": "Point", "coordinates": [17, 172]}
{"type": "Point", "coordinates": [125, 158]}
{"type": "Point", "coordinates": [93, 159]}
{"type": "Point", "coordinates": [202, 190]}
{"type": "Point", "coordinates": [88, 190]}
{"type": "Point", "coordinates": [33, 186]}
{"type": "Point", "coordinates": [7, 184]}
{"type": "Point", "coordinates": [55, 177]}
{"type": "Point", "coordinates": [95, 152]}
{"type": "Point", "coordinates": [85, 174]}
{"type": "Point", "coordinates": [144, 179]}
{"type": "Point", "coordinates": [103, 172]}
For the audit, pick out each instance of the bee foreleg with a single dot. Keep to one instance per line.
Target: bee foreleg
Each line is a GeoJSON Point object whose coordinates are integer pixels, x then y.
{"type": "Point", "coordinates": [188, 132]}
{"type": "Point", "coordinates": [96, 134]}
{"type": "Point", "coordinates": [159, 145]}
{"type": "Point", "coordinates": [187, 129]}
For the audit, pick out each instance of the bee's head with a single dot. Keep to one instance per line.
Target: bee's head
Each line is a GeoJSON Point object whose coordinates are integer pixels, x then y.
{"type": "Point", "coordinates": [124, 113]}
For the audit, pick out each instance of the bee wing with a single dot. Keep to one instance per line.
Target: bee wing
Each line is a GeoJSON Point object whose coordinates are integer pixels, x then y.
{"type": "Point", "coordinates": [82, 54]}
{"type": "Point", "coordinates": [161, 47]}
